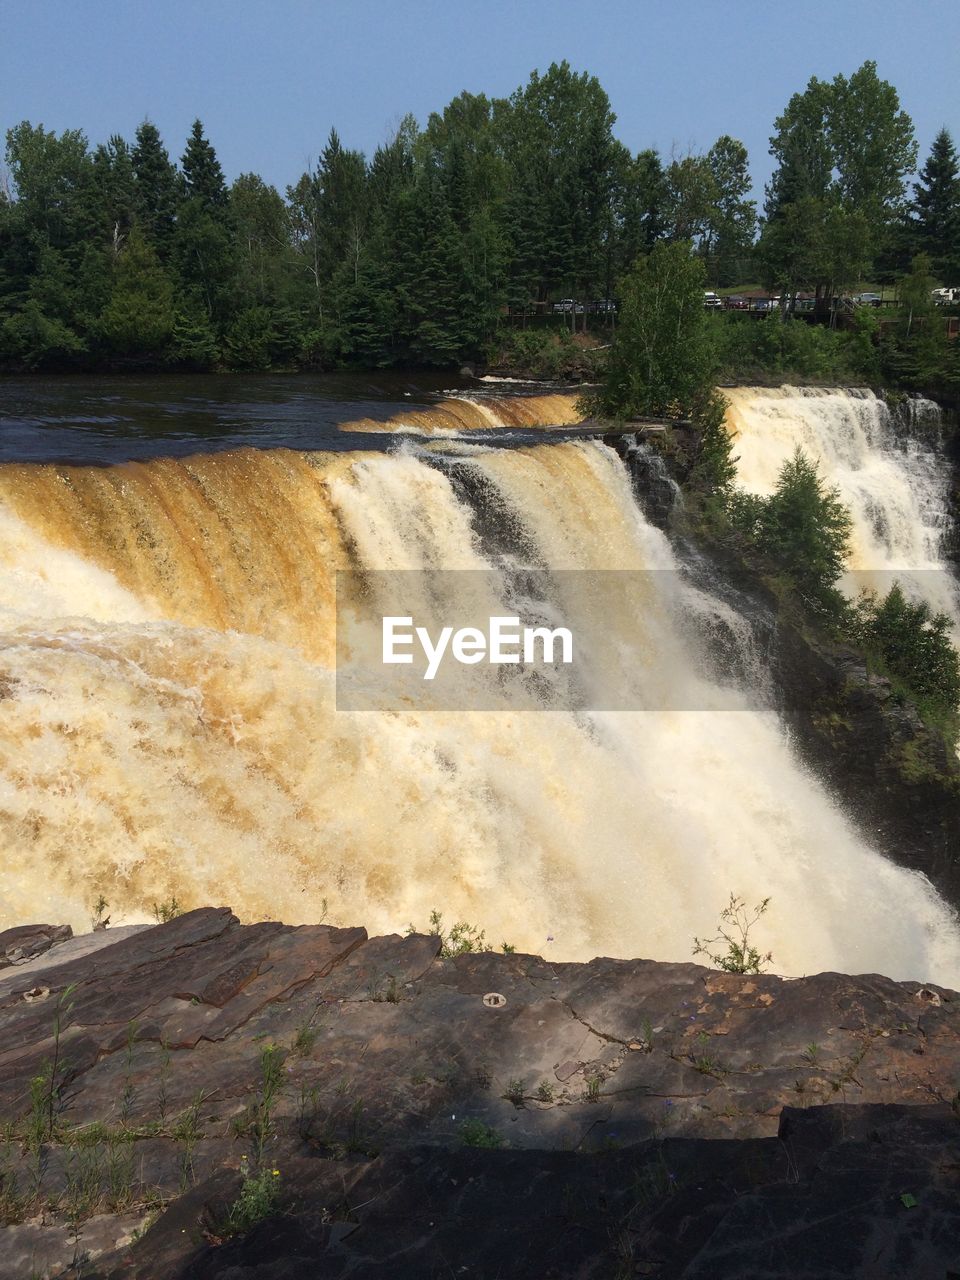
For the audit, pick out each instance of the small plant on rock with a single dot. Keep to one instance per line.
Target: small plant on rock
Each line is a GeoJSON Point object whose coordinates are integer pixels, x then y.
{"type": "Point", "coordinates": [474, 1133]}
{"type": "Point", "coordinates": [514, 1092]}
{"type": "Point", "coordinates": [736, 921]}
{"type": "Point", "coordinates": [258, 1198]}
{"type": "Point", "coordinates": [166, 911]}
{"type": "Point", "coordinates": [462, 938]}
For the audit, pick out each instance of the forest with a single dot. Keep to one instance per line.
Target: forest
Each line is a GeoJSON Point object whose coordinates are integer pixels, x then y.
{"type": "Point", "coordinates": [118, 256]}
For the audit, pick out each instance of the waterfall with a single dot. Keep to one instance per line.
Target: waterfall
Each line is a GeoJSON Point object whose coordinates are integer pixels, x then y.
{"type": "Point", "coordinates": [458, 413]}
{"type": "Point", "coordinates": [894, 482]}
{"type": "Point", "coordinates": [168, 723]}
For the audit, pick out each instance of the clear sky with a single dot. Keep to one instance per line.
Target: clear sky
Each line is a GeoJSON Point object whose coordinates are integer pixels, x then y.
{"type": "Point", "coordinates": [270, 77]}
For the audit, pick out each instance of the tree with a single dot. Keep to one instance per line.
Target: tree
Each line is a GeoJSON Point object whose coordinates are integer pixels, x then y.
{"type": "Point", "coordinates": [913, 643]}
{"type": "Point", "coordinates": [113, 192]}
{"type": "Point", "coordinates": [662, 359]}
{"type": "Point", "coordinates": [916, 353]}
{"type": "Point", "coordinates": [803, 526]}
{"type": "Point", "coordinates": [138, 319]}
{"type": "Point", "coordinates": [156, 187]}
{"type": "Point", "coordinates": [934, 226]}
{"type": "Point", "coordinates": [203, 246]}
{"type": "Point", "coordinates": [641, 199]}
{"type": "Point", "coordinates": [732, 221]}
{"type": "Point", "coordinates": [844, 150]}
{"type": "Point", "coordinates": [556, 137]}
{"type": "Point", "coordinates": [202, 176]}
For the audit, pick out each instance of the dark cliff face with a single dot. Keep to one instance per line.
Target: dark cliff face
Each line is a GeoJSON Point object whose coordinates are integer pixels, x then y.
{"type": "Point", "coordinates": [485, 1115]}
{"type": "Point", "coordinates": [893, 774]}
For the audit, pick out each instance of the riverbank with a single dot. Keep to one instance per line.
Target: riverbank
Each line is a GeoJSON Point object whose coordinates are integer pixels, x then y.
{"type": "Point", "coordinates": [382, 1109]}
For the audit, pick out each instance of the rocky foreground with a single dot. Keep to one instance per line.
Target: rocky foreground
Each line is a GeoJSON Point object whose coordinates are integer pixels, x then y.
{"type": "Point", "coordinates": [240, 1101]}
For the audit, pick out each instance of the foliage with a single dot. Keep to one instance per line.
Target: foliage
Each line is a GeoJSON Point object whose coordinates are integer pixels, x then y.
{"type": "Point", "coordinates": [913, 643]}
{"type": "Point", "coordinates": [258, 1198]}
{"type": "Point", "coordinates": [474, 1133]}
{"type": "Point", "coordinates": [803, 526]}
{"type": "Point", "coordinates": [713, 466]}
{"type": "Point", "coordinates": [138, 317]}
{"type": "Point", "coordinates": [736, 922]}
{"type": "Point", "coordinates": [168, 910]}
{"type": "Point", "coordinates": [662, 360]}
{"type": "Point", "coordinates": [114, 255]}
{"type": "Point", "coordinates": [843, 150]}
{"type": "Point", "coordinates": [462, 938]}
{"type": "Point", "coordinates": [934, 215]}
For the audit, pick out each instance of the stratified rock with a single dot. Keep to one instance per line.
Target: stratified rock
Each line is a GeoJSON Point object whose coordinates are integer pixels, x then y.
{"type": "Point", "coordinates": [26, 941]}
{"type": "Point", "coordinates": [660, 1117]}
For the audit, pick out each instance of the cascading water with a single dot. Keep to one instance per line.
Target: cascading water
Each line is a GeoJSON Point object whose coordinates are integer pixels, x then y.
{"type": "Point", "coordinates": [895, 485]}
{"type": "Point", "coordinates": [459, 413]}
{"type": "Point", "coordinates": [168, 726]}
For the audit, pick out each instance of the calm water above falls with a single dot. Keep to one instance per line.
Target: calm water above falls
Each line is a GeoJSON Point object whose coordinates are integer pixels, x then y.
{"type": "Point", "coordinates": [97, 420]}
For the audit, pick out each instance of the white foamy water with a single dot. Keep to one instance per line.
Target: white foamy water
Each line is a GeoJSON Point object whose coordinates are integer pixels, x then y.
{"type": "Point", "coordinates": [895, 486]}
{"type": "Point", "coordinates": [168, 726]}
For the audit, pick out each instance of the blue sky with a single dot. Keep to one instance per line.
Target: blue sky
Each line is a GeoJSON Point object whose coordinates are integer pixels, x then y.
{"type": "Point", "coordinates": [270, 77]}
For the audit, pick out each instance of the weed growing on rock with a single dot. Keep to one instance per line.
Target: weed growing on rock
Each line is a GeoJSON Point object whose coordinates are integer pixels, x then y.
{"type": "Point", "coordinates": [594, 1083]}
{"type": "Point", "coordinates": [545, 1091]}
{"type": "Point", "coordinates": [258, 1198]}
{"type": "Point", "coordinates": [514, 1092]}
{"type": "Point", "coordinates": [166, 911]}
{"type": "Point", "coordinates": [474, 1133]}
{"type": "Point", "coordinates": [736, 921]}
{"type": "Point", "coordinates": [462, 939]}
{"type": "Point", "coordinates": [304, 1039]}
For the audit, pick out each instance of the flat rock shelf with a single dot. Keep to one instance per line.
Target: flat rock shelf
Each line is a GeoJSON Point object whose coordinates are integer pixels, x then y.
{"type": "Point", "coordinates": [610, 1119]}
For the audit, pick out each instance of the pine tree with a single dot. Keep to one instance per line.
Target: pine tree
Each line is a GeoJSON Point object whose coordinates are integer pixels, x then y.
{"type": "Point", "coordinates": [203, 247]}
{"type": "Point", "coordinates": [138, 319]}
{"type": "Point", "coordinates": [202, 175]}
{"type": "Point", "coordinates": [155, 183]}
{"type": "Point", "coordinates": [935, 209]}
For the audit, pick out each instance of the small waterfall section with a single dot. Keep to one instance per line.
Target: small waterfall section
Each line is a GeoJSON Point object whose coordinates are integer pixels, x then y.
{"type": "Point", "coordinates": [894, 482]}
{"type": "Point", "coordinates": [168, 724]}
{"type": "Point", "coordinates": [460, 413]}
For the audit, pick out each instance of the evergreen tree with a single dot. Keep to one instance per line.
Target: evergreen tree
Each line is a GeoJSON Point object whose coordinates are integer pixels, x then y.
{"type": "Point", "coordinates": [156, 187]}
{"type": "Point", "coordinates": [113, 192]}
{"type": "Point", "coordinates": [935, 209]}
{"type": "Point", "coordinates": [203, 246]}
{"type": "Point", "coordinates": [138, 318]}
{"type": "Point", "coordinates": [803, 526]}
{"type": "Point", "coordinates": [202, 176]}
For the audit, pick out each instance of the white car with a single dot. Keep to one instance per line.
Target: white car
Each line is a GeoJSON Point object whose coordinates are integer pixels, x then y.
{"type": "Point", "coordinates": [711, 299]}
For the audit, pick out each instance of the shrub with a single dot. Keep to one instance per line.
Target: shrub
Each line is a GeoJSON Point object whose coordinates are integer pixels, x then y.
{"type": "Point", "coordinates": [803, 525]}
{"type": "Point", "coordinates": [736, 921]}
{"type": "Point", "coordinates": [912, 643]}
{"type": "Point", "coordinates": [474, 1133]}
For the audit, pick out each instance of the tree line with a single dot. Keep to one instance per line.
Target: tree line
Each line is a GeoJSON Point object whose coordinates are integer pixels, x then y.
{"type": "Point", "coordinates": [117, 256]}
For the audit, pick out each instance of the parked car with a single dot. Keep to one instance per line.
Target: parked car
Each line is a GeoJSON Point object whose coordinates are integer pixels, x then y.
{"type": "Point", "coordinates": [711, 299]}
{"type": "Point", "coordinates": [736, 302]}
{"type": "Point", "coordinates": [868, 300]}
{"type": "Point", "coordinates": [603, 306]}
{"type": "Point", "coordinates": [565, 305]}
{"type": "Point", "coordinates": [947, 296]}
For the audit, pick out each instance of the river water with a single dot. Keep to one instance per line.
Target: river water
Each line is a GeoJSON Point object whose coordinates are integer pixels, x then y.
{"type": "Point", "coordinates": [169, 725]}
{"type": "Point", "coordinates": [90, 420]}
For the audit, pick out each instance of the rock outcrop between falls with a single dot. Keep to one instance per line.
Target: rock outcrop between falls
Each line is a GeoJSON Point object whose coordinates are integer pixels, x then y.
{"type": "Point", "coordinates": [488, 1115]}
